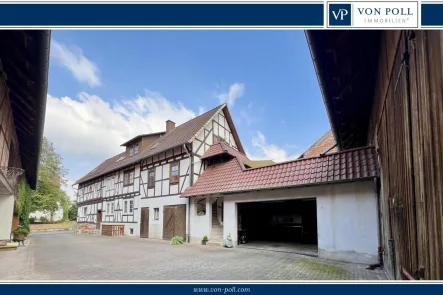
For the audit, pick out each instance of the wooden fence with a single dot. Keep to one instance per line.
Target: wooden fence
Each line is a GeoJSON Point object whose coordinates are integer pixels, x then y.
{"type": "Point", "coordinates": [113, 230]}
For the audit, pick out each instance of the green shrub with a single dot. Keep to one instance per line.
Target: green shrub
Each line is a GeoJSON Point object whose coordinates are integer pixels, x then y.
{"type": "Point", "coordinates": [205, 239]}
{"type": "Point", "coordinates": [177, 240]}
{"type": "Point", "coordinates": [21, 230]}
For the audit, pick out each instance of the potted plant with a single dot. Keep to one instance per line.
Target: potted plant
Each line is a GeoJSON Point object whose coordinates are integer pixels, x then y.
{"type": "Point", "coordinates": [20, 234]}
{"type": "Point", "coordinates": [204, 240]}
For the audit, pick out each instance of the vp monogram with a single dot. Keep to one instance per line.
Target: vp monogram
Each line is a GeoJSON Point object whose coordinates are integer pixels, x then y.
{"type": "Point", "coordinates": [340, 14]}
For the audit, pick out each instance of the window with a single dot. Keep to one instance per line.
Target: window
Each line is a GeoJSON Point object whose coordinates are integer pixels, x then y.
{"type": "Point", "coordinates": [128, 177]}
{"type": "Point", "coordinates": [131, 231]}
{"type": "Point", "coordinates": [156, 213]}
{"type": "Point", "coordinates": [174, 173]}
{"type": "Point", "coordinates": [131, 151]}
{"type": "Point", "coordinates": [112, 207]}
{"type": "Point", "coordinates": [201, 207]}
{"type": "Point", "coordinates": [151, 178]}
{"type": "Point", "coordinates": [108, 207]}
{"type": "Point", "coordinates": [136, 149]}
{"type": "Point", "coordinates": [125, 208]}
{"type": "Point", "coordinates": [85, 211]}
{"type": "Point", "coordinates": [111, 183]}
{"type": "Point", "coordinates": [131, 206]}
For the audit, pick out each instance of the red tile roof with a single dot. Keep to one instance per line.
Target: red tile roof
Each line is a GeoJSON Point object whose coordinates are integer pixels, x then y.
{"type": "Point", "coordinates": [320, 146]}
{"type": "Point", "coordinates": [182, 134]}
{"type": "Point", "coordinates": [230, 176]}
{"type": "Point", "coordinates": [223, 148]}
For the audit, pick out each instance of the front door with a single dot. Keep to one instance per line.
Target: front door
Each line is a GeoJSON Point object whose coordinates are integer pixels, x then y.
{"type": "Point", "coordinates": [99, 219]}
{"type": "Point", "coordinates": [144, 223]}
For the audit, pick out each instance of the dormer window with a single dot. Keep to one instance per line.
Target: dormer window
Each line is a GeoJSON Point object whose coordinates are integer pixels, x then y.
{"type": "Point", "coordinates": [131, 151]}
{"type": "Point", "coordinates": [136, 149]}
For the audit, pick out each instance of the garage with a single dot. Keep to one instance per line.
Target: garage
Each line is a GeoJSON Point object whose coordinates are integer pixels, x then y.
{"type": "Point", "coordinates": [283, 225]}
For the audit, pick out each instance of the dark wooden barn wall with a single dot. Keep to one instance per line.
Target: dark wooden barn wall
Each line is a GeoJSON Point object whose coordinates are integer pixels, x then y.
{"type": "Point", "coordinates": [407, 127]}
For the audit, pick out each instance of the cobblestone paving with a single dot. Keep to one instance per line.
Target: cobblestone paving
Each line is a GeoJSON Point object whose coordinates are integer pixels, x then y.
{"type": "Point", "coordinates": [67, 256]}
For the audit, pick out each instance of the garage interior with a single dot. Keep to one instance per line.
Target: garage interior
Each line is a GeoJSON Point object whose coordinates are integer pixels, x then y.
{"type": "Point", "coordinates": [287, 226]}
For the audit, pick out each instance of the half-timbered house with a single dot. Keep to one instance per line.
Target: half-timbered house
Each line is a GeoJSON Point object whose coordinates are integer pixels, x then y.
{"type": "Point", "coordinates": [137, 192]}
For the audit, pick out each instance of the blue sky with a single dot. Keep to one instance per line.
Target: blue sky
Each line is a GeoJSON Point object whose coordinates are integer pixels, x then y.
{"type": "Point", "coordinates": [108, 86]}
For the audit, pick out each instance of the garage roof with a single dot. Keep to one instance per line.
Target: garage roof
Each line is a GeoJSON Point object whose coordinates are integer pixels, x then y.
{"type": "Point", "coordinates": [231, 176]}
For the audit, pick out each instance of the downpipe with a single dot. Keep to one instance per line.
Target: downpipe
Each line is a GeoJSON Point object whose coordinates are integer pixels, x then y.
{"type": "Point", "coordinates": [189, 199]}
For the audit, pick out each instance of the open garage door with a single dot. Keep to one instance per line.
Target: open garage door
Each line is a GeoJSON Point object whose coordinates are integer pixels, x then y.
{"type": "Point", "coordinates": [288, 225]}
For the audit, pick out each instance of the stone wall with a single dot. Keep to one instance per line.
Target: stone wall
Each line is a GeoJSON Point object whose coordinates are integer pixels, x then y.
{"type": "Point", "coordinates": [87, 228]}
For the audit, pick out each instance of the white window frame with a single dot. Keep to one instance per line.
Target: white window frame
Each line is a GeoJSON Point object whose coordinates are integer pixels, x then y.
{"type": "Point", "coordinates": [125, 207]}
{"type": "Point", "coordinates": [131, 151]}
{"type": "Point", "coordinates": [156, 213]}
{"type": "Point", "coordinates": [131, 206]}
{"type": "Point", "coordinates": [131, 177]}
{"type": "Point", "coordinates": [136, 149]}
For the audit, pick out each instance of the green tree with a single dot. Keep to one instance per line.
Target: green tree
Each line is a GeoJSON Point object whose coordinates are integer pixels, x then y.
{"type": "Point", "coordinates": [24, 203]}
{"type": "Point", "coordinates": [53, 161]}
{"type": "Point", "coordinates": [49, 195]}
{"type": "Point", "coordinates": [72, 214]}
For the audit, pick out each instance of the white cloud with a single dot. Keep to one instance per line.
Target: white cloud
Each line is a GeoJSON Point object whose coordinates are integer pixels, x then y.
{"type": "Point", "coordinates": [72, 58]}
{"type": "Point", "coordinates": [235, 92]}
{"type": "Point", "coordinates": [89, 128]}
{"type": "Point", "coordinates": [265, 151]}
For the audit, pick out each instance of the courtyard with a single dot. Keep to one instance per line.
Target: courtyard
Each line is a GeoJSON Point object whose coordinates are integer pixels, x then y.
{"type": "Point", "coordinates": [65, 256]}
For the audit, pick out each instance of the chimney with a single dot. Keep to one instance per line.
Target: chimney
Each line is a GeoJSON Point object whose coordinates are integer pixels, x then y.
{"type": "Point", "coordinates": [169, 126]}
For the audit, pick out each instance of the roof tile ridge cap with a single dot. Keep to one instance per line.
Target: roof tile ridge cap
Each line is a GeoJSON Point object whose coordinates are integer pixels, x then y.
{"type": "Point", "coordinates": [233, 149]}
{"type": "Point", "coordinates": [219, 108]}
{"type": "Point", "coordinates": [242, 165]}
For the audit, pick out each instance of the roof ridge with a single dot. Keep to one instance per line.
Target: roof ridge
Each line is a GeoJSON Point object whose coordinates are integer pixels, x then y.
{"type": "Point", "coordinates": [180, 135]}
{"type": "Point", "coordinates": [315, 157]}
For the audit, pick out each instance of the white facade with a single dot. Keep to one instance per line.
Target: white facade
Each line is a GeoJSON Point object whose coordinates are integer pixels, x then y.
{"type": "Point", "coordinates": [347, 218]}
{"type": "Point", "coordinates": [108, 194]}
{"type": "Point", "coordinates": [6, 211]}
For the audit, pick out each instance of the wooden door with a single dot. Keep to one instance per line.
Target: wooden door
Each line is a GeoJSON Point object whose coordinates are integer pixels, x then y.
{"type": "Point", "coordinates": [180, 221]}
{"type": "Point", "coordinates": [144, 223]}
{"type": "Point", "coordinates": [99, 219]}
{"type": "Point", "coordinates": [174, 221]}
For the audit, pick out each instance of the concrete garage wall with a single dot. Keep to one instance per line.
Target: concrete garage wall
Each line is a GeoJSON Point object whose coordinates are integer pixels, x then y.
{"type": "Point", "coordinates": [346, 213]}
{"type": "Point", "coordinates": [347, 224]}
{"type": "Point", "coordinates": [6, 211]}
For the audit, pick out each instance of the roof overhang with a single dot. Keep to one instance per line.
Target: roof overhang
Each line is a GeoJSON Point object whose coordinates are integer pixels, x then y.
{"type": "Point", "coordinates": [346, 64]}
{"type": "Point", "coordinates": [25, 60]}
{"type": "Point", "coordinates": [221, 194]}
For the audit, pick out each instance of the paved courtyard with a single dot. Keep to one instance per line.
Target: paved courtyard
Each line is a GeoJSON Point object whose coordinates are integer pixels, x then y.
{"type": "Point", "coordinates": [65, 256]}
